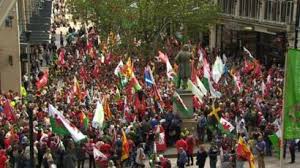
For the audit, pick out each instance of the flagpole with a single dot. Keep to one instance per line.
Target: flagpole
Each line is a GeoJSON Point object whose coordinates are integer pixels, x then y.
{"type": "Point", "coordinates": [282, 115]}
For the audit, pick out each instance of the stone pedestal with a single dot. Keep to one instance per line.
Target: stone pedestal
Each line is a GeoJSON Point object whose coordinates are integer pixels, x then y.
{"type": "Point", "coordinates": [187, 98]}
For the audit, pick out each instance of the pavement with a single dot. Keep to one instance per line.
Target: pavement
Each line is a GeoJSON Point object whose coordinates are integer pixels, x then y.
{"type": "Point", "coordinates": [270, 162]}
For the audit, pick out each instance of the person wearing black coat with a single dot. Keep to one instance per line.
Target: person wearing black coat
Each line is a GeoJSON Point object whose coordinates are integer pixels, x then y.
{"type": "Point", "coordinates": [201, 157]}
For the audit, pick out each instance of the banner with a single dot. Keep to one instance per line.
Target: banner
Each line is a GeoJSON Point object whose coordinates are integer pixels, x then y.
{"type": "Point", "coordinates": [292, 96]}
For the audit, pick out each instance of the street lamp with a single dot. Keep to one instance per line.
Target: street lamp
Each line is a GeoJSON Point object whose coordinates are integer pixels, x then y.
{"type": "Point", "coordinates": [27, 38]}
{"type": "Point", "coordinates": [29, 106]}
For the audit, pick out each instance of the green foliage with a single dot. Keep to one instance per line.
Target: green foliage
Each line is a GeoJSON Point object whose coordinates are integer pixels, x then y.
{"type": "Point", "coordinates": [147, 20]}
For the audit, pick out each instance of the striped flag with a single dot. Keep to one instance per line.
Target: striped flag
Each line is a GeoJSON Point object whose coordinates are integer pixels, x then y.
{"type": "Point", "coordinates": [148, 76]}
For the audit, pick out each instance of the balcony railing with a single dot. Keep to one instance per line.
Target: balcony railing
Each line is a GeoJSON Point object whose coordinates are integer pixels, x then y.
{"type": "Point", "coordinates": [274, 11]}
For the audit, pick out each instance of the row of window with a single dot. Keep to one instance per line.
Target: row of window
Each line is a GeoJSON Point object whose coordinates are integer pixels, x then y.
{"type": "Point", "coordinates": [274, 10]}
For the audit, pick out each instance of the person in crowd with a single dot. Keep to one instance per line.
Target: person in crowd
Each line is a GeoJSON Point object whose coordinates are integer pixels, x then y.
{"type": "Point", "coordinates": [201, 157]}
{"type": "Point", "coordinates": [181, 158]}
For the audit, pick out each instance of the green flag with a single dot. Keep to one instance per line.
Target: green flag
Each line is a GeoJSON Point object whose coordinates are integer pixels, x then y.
{"type": "Point", "coordinates": [275, 143]}
{"type": "Point", "coordinates": [292, 95]}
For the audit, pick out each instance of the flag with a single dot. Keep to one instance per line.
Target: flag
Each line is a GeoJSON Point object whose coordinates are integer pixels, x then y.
{"type": "Point", "coordinates": [237, 81]}
{"type": "Point", "coordinates": [96, 71]}
{"type": "Point", "coordinates": [134, 83]}
{"type": "Point", "coordinates": [43, 81]}
{"type": "Point", "coordinates": [60, 125]}
{"type": "Point", "coordinates": [292, 95]}
{"type": "Point", "coordinates": [61, 58]}
{"type": "Point", "coordinates": [263, 88]}
{"type": "Point", "coordinates": [125, 147]}
{"type": "Point", "coordinates": [217, 70]}
{"type": "Point", "coordinates": [148, 76]}
{"type": "Point", "coordinates": [106, 108]}
{"type": "Point", "coordinates": [76, 88]}
{"type": "Point", "coordinates": [98, 155]}
{"type": "Point", "coordinates": [213, 92]}
{"type": "Point", "coordinates": [181, 107]}
{"type": "Point", "coordinates": [248, 53]}
{"type": "Point", "coordinates": [243, 151]}
{"type": "Point", "coordinates": [8, 111]}
{"type": "Point", "coordinates": [195, 90]}
{"type": "Point", "coordinates": [84, 121]}
{"type": "Point", "coordinates": [170, 70]}
{"type": "Point", "coordinates": [206, 71]}
{"type": "Point", "coordinates": [118, 69]}
{"type": "Point", "coordinates": [226, 126]}
{"type": "Point", "coordinates": [201, 53]}
{"type": "Point", "coordinates": [201, 86]}
{"type": "Point", "coordinates": [215, 112]}
{"type": "Point", "coordinates": [98, 118]}
{"type": "Point", "coordinates": [275, 140]}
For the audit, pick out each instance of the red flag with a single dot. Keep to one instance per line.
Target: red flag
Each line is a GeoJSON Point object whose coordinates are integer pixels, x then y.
{"type": "Point", "coordinates": [83, 73]}
{"type": "Point", "coordinates": [194, 73]}
{"type": "Point", "coordinates": [8, 111]}
{"type": "Point", "coordinates": [42, 81]}
{"type": "Point", "coordinates": [61, 58]}
{"type": "Point", "coordinates": [96, 71]}
{"type": "Point", "coordinates": [108, 58]}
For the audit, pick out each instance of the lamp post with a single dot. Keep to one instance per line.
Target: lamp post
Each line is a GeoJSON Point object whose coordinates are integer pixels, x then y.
{"type": "Point", "coordinates": [27, 35]}
{"type": "Point", "coordinates": [297, 27]}
{"type": "Point", "coordinates": [30, 99]}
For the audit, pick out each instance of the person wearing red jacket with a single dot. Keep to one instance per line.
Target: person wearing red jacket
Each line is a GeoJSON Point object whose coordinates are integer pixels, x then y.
{"type": "Point", "coordinates": [181, 143]}
{"type": "Point", "coordinates": [3, 159]}
{"type": "Point", "coordinates": [190, 141]}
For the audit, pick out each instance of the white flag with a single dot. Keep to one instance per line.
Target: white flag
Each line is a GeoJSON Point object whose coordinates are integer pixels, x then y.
{"type": "Point", "coordinates": [213, 92]}
{"type": "Point", "coordinates": [98, 116]}
{"type": "Point", "coordinates": [217, 69]}
{"type": "Point", "coordinates": [98, 154]}
{"type": "Point", "coordinates": [195, 90]}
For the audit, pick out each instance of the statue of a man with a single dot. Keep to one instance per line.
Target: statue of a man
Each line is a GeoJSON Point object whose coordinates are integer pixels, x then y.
{"type": "Point", "coordinates": [183, 60]}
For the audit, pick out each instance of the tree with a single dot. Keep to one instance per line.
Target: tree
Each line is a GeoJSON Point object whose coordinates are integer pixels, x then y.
{"type": "Point", "coordinates": [147, 21]}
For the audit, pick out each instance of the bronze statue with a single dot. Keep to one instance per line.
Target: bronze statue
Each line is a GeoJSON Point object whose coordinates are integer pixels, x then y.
{"type": "Point", "coordinates": [183, 60]}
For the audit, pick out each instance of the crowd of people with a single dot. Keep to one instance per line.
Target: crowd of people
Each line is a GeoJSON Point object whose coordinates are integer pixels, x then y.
{"type": "Point", "coordinates": [250, 100]}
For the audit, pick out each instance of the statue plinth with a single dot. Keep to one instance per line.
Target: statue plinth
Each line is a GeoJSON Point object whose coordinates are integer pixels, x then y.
{"type": "Point", "coordinates": [187, 98]}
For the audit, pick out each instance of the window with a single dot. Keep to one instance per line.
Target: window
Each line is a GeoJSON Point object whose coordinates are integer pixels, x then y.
{"type": "Point", "coordinates": [249, 8]}
{"type": "Point", "coordinates": [227, 6]}
{"type": "Point", "coordinates": [279, 11]}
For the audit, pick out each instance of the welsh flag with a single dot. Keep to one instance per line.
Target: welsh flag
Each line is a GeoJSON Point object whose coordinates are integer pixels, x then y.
{"type": "Point", "coordinates": [225, 126]}
{"type": "Point", "coordinates": [60, 125]}
{"type": "Point", "coordinates": [118, 69]}
{"type": "Point", "coordinates": [177, 100]}
{"type": "Point", "coordinates": [201, 86]}
{"type": "Point", "coordinates": [276, 141]}
{"type": "Point", "coordinates": [195, 90]}
{"type": "Point", "coordinates": [206, 71]}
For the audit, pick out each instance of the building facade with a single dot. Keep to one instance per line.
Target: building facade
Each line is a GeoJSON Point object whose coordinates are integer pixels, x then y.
{"type": "Point", "coordinates": [16, 18]}
{"type": "Point", "coordinates": [266, 27]}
